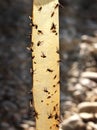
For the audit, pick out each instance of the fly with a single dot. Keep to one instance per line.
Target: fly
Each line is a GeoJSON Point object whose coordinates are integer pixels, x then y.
{"type": "Point", "coordinates": [34, 25]}
{"type": "Point", "coordinates": [54, 108]}
{"type": "Point", "coordinates": [57, 51]}
{"type": "Point", "coordinates": [54, 86]}
{"type": "Point", "coordinates": [58, 82]}
{"type": "Point", "coordinates": [33, 57]}
{"type": "Point", "coordinates": [45, 90]}
{"type": "Point", "coordinates": [49, 70]}
{"type": "Point", "coordinates": [53, 27]}
{"type": "Point", "coordinates": [56, 116]}
{"type": "Point", "coordinates": [52, 14]}
{"type": "Point", "coordinates": [36, 114]}
{"type": "Point", "coordinates": [40, 9]}
{"type": "Point", "coordinates": [39, 43]}
{"type": "Point", "coordinates": [43, 55]}
{"type": "Point", "coordinates": [48, 97]}
{"type": "Point", "coordinates": [40, 32]}
{"type": "Point", "coordinates": [50, 116]}
{"type": "Point", "coordinates": [55, 76]}
{"type": "Point", "coordinates": [57, 5]}
{"type": "Point", "coordinates": [57, 125]}
{"type": "Point", "coordinates": [59, 61]}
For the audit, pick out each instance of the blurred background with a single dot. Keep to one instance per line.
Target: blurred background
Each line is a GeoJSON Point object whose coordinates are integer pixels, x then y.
{"type": "Point", "coordinates": [78, 46]}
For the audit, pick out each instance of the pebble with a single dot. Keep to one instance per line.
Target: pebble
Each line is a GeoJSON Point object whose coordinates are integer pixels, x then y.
{"type": "Point", "coordinates": [31, 128]}
{"type": "Point", "coordinates": [86, 116]}
{"type": "Point", "coordinates": [29, 122]}
{"type": "Point", "coordinates": [90, 75]}
{"type": "Point", "coordinates": [92, 125]}
{"type": "Point", "coordinates": [25, 126]}
{"type": "Point", "coordinates": [72, 123]}
{"type": "Point", "coordinates": [89, 107]}
{"type": "Point", "coordinates": [87, 83]}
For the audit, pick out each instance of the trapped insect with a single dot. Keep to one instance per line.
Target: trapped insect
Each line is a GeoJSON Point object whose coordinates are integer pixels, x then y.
{"type": "Point", "coordinates": [43, 55]}
{"type": "Point", "coordinates": [56, 116]}
{"type": "Point", "coordinates": [33, 57]}
{"type": "Point", "coordinates": [52, 14]}
{"type": "Point", "coordinates": [48, 97]}
{"type": "Point", "coordinates": [50, 116]}
{"type": "Point", "coordinates": [39, 43]}
{"type": "Point", "coordinates": [49, 70]}
{"type": "Point", "coordinates": [36, 114]}
{"type": "Point", "coordinates": [34, 25]}
{"type": "Point", "coordinates": [57, 51]}
{"type": "Point", "coordinates": [40, 32]}
{"type": "Point", "coordinates": [40, 9]}
{"type": "Point", "coordinates": [53, 27]}
{"type": "Point", "coordinates": [55, 76]}
{"type": "Point", "coordinates": [45, 90]}
{"type": "Point", "coordinates": [54, 108]}
{"type": "Point", "coordinates": [57, 5]}
{"type": "Point", "coordinates": [59, 61]}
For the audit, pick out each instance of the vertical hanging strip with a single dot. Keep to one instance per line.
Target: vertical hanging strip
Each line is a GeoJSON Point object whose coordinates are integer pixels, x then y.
{"type": "Point", "coordinates": [45, 62]}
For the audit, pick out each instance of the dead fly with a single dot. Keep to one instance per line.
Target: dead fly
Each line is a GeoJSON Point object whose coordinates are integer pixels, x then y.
{"type": "Point", "coordinates": [54, 108]}
{"type": "Point", "coordinates": [33, 57]}
{"type": "Point", "coordinates": [57, 5]}
{"type": "Point", "coordinates": [55, 91]}
{"type": "Point", "coordinates": [34, 25]}
{"type": "Point", "coordinates": [56, 116]}
{"type": "Point", "coordinates": [39, 43]}
{"type": "Point", "coordinates": [59, 61]}
{"type": "Point", "coordinates": [32, 43]}
{"type": "Point", "coordinates": [57, 125]}
{"type": "Point", "coordinates": [40, 32]}
{"type": "Point", "coordinates": [55, 76]}
{"type": "Point", "coordinates": [57, 51]}
{"type": "Point", "coordinates": [53, 27]}
{"type": "Point", "coordinates": [43, 55]}
{"type": "Point", "coordinates": [54, 86]}
{"type": "Point", "coordinates": [40, 9]}
{"type": "Point", "coordinates": [36, 114]}
{"type": "Point", "coordinates": [52, 14]}
{"type": "Point", "coordinates": [49, 70]}
{"type": "Point", "coordinates": [50, 116]}
{"type": "Point", "coordinates": [48, 97]}
{"type": "Point", "coordinates": [56, 33]}
{"type": "Point", "coordinates": [45, 90]}
{"type": "Point", "coordinates": [58, 82]}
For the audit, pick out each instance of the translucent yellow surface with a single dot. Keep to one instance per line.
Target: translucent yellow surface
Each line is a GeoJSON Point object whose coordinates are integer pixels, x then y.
{"type": "Point", "coordinates": [45, 38]}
